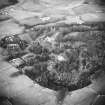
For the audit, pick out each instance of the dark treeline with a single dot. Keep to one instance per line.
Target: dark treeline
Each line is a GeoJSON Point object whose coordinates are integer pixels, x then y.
{"type": "Point", "coordinates": [5, 3]}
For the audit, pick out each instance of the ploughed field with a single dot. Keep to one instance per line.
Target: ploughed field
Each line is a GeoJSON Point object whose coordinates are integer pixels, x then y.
{"type": "Point", "coordinates": [59, 56]}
